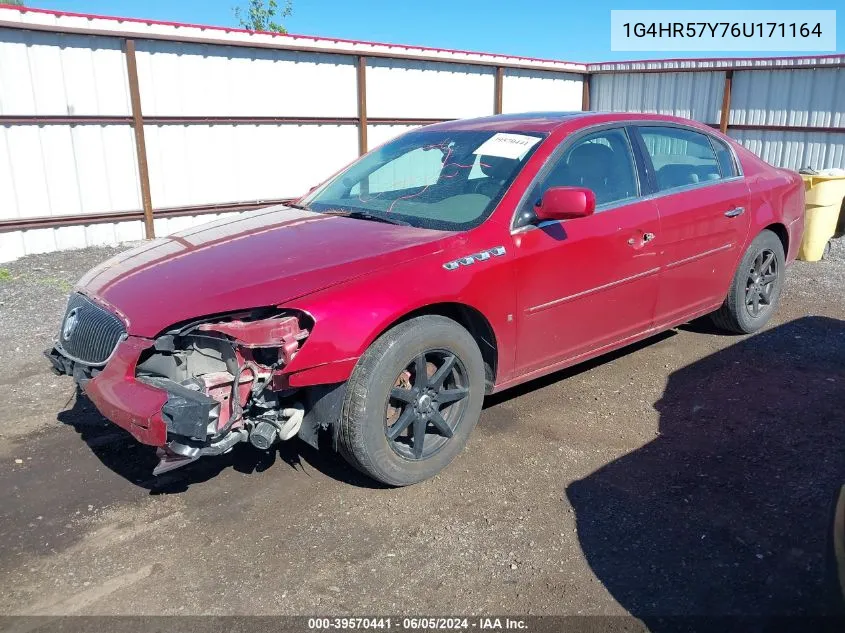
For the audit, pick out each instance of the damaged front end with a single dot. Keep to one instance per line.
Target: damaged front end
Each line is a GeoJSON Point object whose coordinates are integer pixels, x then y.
{"type": "Point", "coordinates": [225, 384]}
{"type": "Point", "coordinates": [200, 387]}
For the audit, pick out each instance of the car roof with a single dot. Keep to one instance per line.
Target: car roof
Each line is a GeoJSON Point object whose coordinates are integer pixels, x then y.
{"type": "Point", "coordinates": [549, 121]}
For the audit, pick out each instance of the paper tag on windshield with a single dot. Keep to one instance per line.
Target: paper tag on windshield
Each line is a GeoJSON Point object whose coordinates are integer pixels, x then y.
{"type": "Point", "coordinates": [504, 145]}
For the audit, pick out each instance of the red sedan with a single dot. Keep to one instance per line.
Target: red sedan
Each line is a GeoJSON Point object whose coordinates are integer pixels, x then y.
{"type": "Point", "coordinates": [457, 260]}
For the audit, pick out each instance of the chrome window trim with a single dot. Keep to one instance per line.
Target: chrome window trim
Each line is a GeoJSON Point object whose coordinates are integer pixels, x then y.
{"type": "Point", "coordinates": [652, 196]}
{"type": "Point", "coordinates": [692, 187]}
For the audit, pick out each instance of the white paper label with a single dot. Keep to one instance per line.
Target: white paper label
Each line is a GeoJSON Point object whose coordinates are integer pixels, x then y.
{"type": "Point", "coordinates": [504, 145]}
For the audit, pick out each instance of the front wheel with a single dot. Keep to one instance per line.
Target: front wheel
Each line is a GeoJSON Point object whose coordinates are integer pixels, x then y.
{"type": "Point", "coordinates": [755, 288]}
{"type": "Point", "coordinates": [412, 401]}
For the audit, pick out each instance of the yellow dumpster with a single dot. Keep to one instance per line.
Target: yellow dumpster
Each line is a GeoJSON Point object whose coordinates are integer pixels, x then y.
{"type": "Point", "coordinates": [823, 199]}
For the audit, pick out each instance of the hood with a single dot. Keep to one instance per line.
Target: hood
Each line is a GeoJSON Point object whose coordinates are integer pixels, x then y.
{"type": "Point", "coordinates": [260, 258]}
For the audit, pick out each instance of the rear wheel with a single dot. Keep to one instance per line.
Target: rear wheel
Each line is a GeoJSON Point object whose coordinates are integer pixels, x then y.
{"type": "Point", "coordinates": [755, 288]}
{"type": "Point", "coordinates": [835, 576]}
{"type": "Point", "coordinates": [412, 401]}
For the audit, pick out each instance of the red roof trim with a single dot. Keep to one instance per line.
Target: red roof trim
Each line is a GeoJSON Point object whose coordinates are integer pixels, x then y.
{"type": "Point", "coordinates": [315, 38]}
{"type": "Point", "coordinates": [714, 60]}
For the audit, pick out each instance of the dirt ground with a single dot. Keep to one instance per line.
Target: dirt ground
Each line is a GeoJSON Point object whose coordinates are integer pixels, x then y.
{"type": "Point", "coordinates": [690, 474]}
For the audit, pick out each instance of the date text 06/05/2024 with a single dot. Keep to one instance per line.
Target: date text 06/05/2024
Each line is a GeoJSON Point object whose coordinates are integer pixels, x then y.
{"type": "Point", "coordinates": [417, 623]}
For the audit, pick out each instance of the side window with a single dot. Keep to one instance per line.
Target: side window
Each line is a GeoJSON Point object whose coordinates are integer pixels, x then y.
{"type": "Point", "coordinates": [680, 157]}
{"type": "Point", "coordinates": [725, 158]}
{"type": "Point", "coordinates": [601, 162]}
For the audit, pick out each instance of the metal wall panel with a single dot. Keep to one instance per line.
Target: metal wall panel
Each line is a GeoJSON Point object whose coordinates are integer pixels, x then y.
{"type": "Point", "coordinates": [60, 74]}
{"type": "Point", "coordinates": [688, 94]}
{"type": "Point", "coordinates": [794, 150]}
{"type": "Point", "coordinates": [206, 34]}
{"type": "Point", "coordinates": [720, 63]}
{"type": "Point", "coordinates": [66, 170]}
{"type": "Point", "coordinates": [381, 133]}
{"type": "Point", "coordinates": [533, 91]}
{"type": "Point", "coordinates": [20, 243]}
{"type": "Point", "coordinates": [209, 80]}
{"type": "Point", "coordinates": [168, 226]}
{"type": "Point", "coordinates": [209, 164]}
{"type": "Point", "coordinates": [58, 170]}
{"type": "Point", "coordinates": [789, 97]}
{"type": "Point", "coordinates": [410, 89]}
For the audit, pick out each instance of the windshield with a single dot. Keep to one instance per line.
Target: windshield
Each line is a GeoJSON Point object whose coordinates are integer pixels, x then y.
{"type": "Point", "coordinates": [450, 180]}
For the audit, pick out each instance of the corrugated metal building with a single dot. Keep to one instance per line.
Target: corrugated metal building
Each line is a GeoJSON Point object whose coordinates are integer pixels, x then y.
{"type": "Point", "coordinates": [112, 129]}
{"type": "Point", "coordinates": [789, 111]}
{"type": "Point", "coordinates": [692, 95]}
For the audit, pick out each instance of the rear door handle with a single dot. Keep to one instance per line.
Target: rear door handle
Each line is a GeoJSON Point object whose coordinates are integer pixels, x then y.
{"type": "Point", "coordinates": [734, 212]}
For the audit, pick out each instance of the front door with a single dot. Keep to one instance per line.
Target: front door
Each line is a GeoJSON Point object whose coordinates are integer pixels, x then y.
{"type": "Point", "coordinates": [586, 283]}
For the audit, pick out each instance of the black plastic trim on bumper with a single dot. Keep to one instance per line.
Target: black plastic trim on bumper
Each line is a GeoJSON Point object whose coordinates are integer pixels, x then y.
{"type": "Point", "coordinates": [64, 366]}
{"type": "Point", "coordinates": [186, 412]}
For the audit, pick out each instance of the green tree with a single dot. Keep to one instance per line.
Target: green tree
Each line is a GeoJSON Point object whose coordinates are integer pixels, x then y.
{"type": "Point", "coordinates": [263, 15]}
{"type": "Point", "coordinates": [15, 3]}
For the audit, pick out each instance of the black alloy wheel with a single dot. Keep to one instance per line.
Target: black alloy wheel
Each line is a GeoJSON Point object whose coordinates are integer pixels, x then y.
{"type": "Point", "coordinates": [412, 400]}
{"type": "Point", "coordinates": [761, 282]}
{"type": "Point", "coordinates": [756, 286]}
{"type": "Point", "coordinates": [426, 405]}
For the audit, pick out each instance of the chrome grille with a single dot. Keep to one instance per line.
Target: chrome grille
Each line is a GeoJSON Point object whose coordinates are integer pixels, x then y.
{"type": "Point", "coordinates": [89, 334]}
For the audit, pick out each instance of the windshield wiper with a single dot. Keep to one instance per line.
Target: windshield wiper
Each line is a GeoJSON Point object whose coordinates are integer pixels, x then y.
{"type": "Point", "coordinates": [301, 207]}
{"type": "Point", "coordinates": [366, 215]}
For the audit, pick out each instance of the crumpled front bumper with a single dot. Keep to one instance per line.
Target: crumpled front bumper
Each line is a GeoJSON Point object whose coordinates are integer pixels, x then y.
{"type": "Point", "coordinates": [133, 405]}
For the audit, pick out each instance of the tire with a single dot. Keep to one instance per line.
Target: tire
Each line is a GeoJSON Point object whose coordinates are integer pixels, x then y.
{"type": "Point", "coordinates": [737, 314]}
{"type": "Point", "coordinates": [835, 555]}
{"type": "Point", "coordinates": [827, 248]}
{"type": "Point", "coordinates": [371, 411]}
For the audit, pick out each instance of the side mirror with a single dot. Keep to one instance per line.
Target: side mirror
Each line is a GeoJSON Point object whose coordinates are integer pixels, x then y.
{"type": "Point", "coordinates": [566, 203]}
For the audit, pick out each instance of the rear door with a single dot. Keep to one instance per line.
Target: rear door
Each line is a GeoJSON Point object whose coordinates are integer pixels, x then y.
{"type": "Point", "coordinates": [585, 283]}
{"type": "Point", "coordinates": [703, 202]}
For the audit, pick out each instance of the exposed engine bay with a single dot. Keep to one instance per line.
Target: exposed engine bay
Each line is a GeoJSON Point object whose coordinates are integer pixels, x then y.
{"type": "Point", "coordinates": [225, 383]}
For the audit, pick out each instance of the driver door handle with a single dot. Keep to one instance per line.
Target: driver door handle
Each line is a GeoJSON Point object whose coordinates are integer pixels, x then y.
{"type": "Point", "coordinates": [734, 212]}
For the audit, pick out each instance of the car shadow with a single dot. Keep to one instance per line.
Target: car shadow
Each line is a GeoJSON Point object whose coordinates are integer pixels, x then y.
{"type": "Point", "coordinates": [133, 461]}
{"type": "Point", "coordinates": [549, 379]}
{"type": "Point", "coordinates": [704, 325]}
{"type": "Point", "coordinates": [725, 513]}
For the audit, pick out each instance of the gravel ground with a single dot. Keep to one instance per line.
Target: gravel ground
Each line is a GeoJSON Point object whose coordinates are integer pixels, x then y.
{"type": "Point", "coordinates": [688, 474]}
{"type": "Point", "coordinates": [33, 295]}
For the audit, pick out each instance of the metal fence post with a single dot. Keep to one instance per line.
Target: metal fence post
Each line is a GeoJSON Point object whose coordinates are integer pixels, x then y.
{"type": "Point", "coordinates": [362, 105]}
{"type": "Point", "coordinates": [585, 92]}
{"type": "Point", "coordinates": [725, 115]}
{"type": "Point", "coordinates": [140, 143]}
{"type": "Point", "coordinates": [497, 90]}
